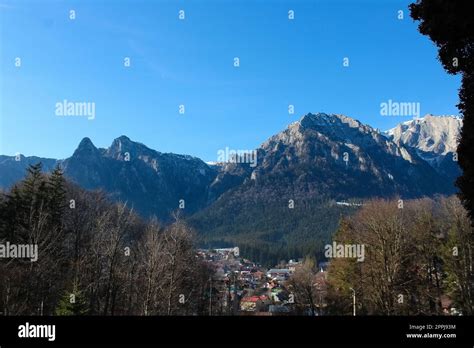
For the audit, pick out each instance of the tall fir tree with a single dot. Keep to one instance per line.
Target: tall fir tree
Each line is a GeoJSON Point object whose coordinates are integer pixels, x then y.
{"type": "Point", "coordinates": [56, 196]}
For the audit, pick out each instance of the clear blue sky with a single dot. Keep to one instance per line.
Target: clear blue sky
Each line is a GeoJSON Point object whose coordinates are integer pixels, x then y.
{"type": "Point", "coordinates": [190, 62]}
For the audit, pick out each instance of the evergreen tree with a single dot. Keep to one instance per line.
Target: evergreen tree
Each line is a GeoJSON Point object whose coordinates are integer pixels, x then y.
{"type": "Point", "coordinates": [56, 195]}
{"type": "Point", "coordinates": [34, 189]}
{"type": "Point", "coordinates": [33, 182]}
{"type": "Point", "coordinates": [23, 205]}
{"type": "Point", "coordinates": [72, 304]}
{"type": "Point", "coordinates": [449, 26]}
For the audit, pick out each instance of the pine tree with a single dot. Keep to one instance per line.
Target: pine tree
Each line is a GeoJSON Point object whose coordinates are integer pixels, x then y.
{"type": "Point", "coordinates": [25, 202]}
{"type": "Point", "coordinates": [56, 196]}
{"type": "Point", "coordinates": [72, 304]}
{"type": "Point", "coordinates": [34, 178]}
{"type": "Point", "coordinates": [34, 188]}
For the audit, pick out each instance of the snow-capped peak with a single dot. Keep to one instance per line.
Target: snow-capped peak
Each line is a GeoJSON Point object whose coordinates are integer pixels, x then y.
{"type": "Point", "coordinates": [436, 134]}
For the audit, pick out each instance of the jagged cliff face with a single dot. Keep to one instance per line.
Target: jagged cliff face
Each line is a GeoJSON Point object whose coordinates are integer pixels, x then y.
{"type": "Point", "coordinates": [320, 155]}
{"type": "Point", "coordinates": [433, 138]}
{"type": "Point", "coordinates": [437, 134]}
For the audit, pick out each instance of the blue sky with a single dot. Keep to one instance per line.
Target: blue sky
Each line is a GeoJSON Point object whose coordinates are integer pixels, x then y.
{"type": "Point", "coordinates": [190, 62]}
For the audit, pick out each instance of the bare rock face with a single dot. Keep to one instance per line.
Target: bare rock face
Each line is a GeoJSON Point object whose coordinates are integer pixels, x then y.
{"type": "Point", "coordinates": [437, 134]}
{"type": "Point", "coordinates": [433, 138]}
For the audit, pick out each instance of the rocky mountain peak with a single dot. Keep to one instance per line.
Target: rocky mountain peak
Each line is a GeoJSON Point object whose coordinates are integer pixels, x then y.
{"type": "Point", "coordinates": [123, 144]}
{"type": "Point", "coordinates": [86, 149]}
{"type": "Point", "coordinates": [321, 119]}
{"type": "Point", "coordinates": [433, 138]}
{"type": "Point", "coordinates": [435, 134]}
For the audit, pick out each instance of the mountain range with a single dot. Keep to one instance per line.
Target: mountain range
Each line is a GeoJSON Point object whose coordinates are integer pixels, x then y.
{"type": "Point", "coordinates": [319, 154]}
{"type": "Point", "coordinates": [314, 162]}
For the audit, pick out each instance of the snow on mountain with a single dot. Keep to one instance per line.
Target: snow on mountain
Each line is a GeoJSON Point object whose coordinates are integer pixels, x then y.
{"type": "Point", "coordinates": [436, 134]}
{"type": "Point", "coordinates": [433, 138]}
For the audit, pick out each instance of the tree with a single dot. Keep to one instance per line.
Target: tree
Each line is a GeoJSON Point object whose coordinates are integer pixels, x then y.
{"type": "Point", "coordinates": [56, 195]}
{"type": "Point", "coordinates": [458, 256]}
{"type": "Point", "coordinates": [72, 304]}
{"type": "Point", "coordinates": [27, 218]}
{"type": "Point", "coordinates": [415, 254]}
{"type": "Point", "coordinates": [178, 257]}
{"type": "Point", "coordinates": [303, 287]}
{"type": "Point", "coordinates": [447, 24]}
{"type": "Point", "coordinates": [114, 261]}
{"type": "Point", "coordinates": [150, 266]}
